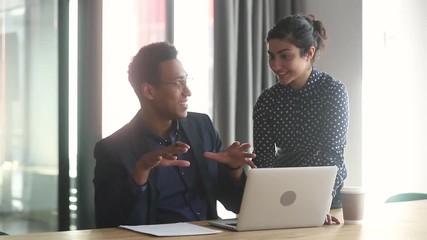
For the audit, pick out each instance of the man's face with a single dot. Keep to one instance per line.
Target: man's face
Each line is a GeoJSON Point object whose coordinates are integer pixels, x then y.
{"type": "Point", "coordinates": [171, 93]}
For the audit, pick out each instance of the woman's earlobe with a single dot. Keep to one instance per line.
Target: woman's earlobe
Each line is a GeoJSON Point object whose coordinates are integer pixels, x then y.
{"type": "Point", "coordinates": [310, 53]}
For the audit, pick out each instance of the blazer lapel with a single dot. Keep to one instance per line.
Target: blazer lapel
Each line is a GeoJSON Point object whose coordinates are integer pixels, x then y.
{"type": "Point", "coordinates": [195, 141]}
{"type": "Point", "coordinates": [137, 136]}
{"type": "Point", "coordinates": [138, 141]}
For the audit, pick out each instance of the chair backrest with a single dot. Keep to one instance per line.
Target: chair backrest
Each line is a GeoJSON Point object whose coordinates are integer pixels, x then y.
{"type": "Point", "coordinates": [403, 197]}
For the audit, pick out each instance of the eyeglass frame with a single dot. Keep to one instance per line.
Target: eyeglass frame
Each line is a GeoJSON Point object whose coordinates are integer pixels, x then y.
{"type": "Point", "coordinates": [180, 82]}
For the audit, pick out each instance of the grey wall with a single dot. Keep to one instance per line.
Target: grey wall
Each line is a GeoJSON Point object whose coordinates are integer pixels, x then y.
{"type": "Point", "coordinates": [342, 59]}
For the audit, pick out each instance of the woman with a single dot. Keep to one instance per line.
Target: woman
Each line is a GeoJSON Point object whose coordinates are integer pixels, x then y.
{"type": "Point", "coordinates": [302, 120]}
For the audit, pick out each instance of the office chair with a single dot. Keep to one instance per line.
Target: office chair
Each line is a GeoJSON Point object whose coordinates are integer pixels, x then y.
{"type": "Point", "coordinates": [3, 233]}
{"type": "Point", "coordinates": [403, 197]}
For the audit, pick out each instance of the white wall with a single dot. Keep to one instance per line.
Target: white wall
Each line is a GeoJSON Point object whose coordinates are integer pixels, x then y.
{"type": "Point", "coordinates": [387, 40]}
{"type": "Point", "coordinates": [395, 103]}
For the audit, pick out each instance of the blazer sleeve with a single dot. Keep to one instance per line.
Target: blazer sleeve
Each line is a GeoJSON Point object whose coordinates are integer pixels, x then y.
{"type": "Point", "coordinates": [118, 199]}
{"type": "Point", "coordinates": [223, 187]}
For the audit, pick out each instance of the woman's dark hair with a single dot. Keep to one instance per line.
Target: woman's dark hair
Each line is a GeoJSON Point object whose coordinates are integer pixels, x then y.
{"type": "Point", "coordinates": [301, 31]}
{"type": "Point", "coordinates": [144, 66]}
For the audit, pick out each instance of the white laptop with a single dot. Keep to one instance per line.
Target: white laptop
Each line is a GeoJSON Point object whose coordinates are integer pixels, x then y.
{"type": "Point", "coordinates": [283, 198]}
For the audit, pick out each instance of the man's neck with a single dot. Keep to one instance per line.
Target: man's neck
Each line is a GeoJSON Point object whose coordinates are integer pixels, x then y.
{"type": "Point", "coordinates": [160, 126]}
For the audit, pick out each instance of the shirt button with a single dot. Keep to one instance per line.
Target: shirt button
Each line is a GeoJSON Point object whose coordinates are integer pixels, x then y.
{"type": "Point", "coordinates": [182, 173]}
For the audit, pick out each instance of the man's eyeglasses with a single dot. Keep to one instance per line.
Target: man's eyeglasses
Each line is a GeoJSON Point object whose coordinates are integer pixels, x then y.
{"type": "Point", "coordinates": [180, 83]}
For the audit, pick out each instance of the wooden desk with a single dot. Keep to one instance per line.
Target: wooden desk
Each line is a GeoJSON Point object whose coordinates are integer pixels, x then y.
{"type": "Point", "coordinates": [404, 220]}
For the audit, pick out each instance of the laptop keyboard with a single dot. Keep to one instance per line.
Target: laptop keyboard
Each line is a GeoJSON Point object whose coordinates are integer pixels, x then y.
{"type": "Point", "coordinates": [231, 224]}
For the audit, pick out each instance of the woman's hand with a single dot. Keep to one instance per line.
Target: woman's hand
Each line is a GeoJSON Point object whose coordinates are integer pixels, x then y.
{"type": "Point", "coordinates": [331, 220]}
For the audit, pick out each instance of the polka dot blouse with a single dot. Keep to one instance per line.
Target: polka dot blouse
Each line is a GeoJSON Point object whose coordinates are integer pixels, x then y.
{"type": "Point", "coordinates": [303, 128]}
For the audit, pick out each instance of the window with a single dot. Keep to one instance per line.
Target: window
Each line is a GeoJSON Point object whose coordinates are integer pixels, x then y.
{"type": "Point", "coordinates": [129, 25]}
{"type": "Point", "coordinates": [28, 116]}
{"type": "Point", "coordinates": [194, 41]}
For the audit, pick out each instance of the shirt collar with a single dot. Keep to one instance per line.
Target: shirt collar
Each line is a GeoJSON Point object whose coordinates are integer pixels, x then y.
{"type": "Point", "coordinates": [173, 134]}
{"type": "Point", "coordinates": [312, 79]}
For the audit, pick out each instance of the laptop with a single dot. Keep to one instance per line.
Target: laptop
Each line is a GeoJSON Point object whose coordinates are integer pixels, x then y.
{"type": "Point", "coordinates": [283, 198]}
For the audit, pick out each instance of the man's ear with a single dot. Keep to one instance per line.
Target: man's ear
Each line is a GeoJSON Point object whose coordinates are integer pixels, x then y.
{"type": "Point", "coordinates": [147, 91]}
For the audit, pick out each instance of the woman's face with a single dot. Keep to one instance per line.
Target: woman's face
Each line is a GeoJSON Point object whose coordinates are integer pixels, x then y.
{"type": "Point", "coordinates": [287, 64]}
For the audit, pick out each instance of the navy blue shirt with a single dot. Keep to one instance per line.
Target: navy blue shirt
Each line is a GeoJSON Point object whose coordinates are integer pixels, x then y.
{"type": "Point", "coordinates": [181, 195]}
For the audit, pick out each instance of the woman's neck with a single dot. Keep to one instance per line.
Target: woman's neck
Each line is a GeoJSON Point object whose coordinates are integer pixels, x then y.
{"type": "Point", "coordinates": [302, 80]}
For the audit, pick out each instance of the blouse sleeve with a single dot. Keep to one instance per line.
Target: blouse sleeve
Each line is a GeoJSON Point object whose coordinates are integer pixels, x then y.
{"type": "Point", "coordinates": [335, 133]}
{"type": "Point", "coordinates": [264, 146]}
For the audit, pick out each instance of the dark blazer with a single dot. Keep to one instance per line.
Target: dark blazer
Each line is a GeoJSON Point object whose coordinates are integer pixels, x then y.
{"type": "Point", "coordinates": [119, 201]}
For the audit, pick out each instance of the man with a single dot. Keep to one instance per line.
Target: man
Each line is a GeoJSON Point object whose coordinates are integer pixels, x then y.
{"type": "Point", "coordinates": [166, 164]}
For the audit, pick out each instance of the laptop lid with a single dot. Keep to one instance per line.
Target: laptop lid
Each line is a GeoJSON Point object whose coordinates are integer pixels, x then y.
{"type": "Point", "coordinates": [284, 198]}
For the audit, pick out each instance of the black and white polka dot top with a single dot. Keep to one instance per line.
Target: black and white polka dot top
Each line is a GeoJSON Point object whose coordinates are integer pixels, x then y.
{"type": "Point", "coordinates": [303, 128]}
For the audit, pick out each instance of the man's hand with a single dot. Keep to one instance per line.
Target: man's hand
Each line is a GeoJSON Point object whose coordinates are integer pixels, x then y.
{"type": "Point", "coordinates": [165, 157]}
{"type": "Point", "coordinates": [235, 156]}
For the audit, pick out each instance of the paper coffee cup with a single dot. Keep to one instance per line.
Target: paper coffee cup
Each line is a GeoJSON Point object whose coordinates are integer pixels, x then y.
{"type": "Point", "coordinates": [353, 201]}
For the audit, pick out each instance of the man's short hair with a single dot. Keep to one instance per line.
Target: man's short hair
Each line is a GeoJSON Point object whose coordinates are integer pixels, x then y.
{"type": "Point", "coordinates": [144, 66]}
